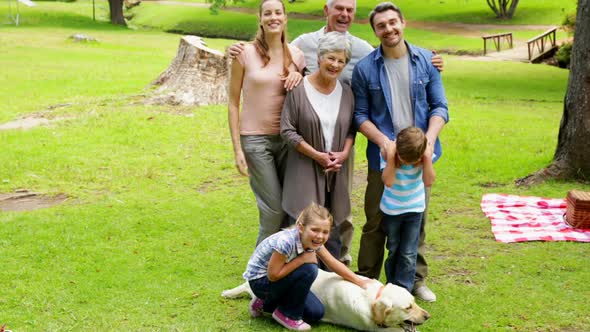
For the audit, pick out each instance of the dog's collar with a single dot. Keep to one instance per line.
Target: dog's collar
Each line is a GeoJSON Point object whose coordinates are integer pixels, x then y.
{"type": "Point", "coordinates": [379, 292]}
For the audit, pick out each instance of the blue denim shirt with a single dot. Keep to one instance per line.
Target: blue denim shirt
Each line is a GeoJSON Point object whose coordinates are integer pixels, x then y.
{"type": "Point", "coordinates": [373, 99]}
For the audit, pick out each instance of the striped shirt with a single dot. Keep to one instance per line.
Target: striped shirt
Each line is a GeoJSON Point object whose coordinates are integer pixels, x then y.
{"type": "Point", "coordinates": [285, 242]}
{"type": "Point", "coordinates": [406, 194]}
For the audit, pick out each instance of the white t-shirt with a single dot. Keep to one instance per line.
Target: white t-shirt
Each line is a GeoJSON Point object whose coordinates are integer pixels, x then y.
{"type": "Point", "coordinates": [398, 72]}
{"type": "Point", "coordinates": [326, 106]}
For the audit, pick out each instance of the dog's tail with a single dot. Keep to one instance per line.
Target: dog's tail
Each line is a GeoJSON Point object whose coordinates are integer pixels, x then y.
{"type": "Point", "coordinates": [237, 292]}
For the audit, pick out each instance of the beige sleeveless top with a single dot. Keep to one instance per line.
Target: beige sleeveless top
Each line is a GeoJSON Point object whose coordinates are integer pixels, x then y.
{"type": "Point", "coordinates": [262, 91]}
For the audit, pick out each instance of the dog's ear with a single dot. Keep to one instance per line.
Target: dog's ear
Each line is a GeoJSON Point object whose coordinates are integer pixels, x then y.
{"type": "Point", "coordinates": [379, 309]}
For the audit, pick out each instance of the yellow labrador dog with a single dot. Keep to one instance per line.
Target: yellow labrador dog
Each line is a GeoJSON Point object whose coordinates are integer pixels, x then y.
{"type": "Point", "coordinates": [383, 308]}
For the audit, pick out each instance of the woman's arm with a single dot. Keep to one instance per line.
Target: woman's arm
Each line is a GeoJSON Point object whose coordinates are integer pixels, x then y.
{"type": "Point", "coordinates": [235, 89]}
{"type": "Point", "coordinates": [294, 77]}
{"type": "Point", "coordinates": [292, 80]}
{"type": "Point", "coordinates": [278, 268]}
{"type": "Point", "coordinates": [340, 269]}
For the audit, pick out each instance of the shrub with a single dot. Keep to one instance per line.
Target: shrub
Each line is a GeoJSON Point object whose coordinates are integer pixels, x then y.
{"type": "Point", "coordinates": [563, 55]}
{"type": "Point", "coordinates": [569, 22]}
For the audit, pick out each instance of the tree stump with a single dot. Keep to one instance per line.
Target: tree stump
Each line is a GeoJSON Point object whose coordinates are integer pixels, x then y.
{"type": "Point", "coordinates": [198, 76]}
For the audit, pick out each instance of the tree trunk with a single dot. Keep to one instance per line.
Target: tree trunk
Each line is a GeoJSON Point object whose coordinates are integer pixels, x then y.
{"type": "Point", "coordinates": [116, 12]}
{"type": "Point", "coordinates": [494, 7]}
{"type": "Point", "coordinates": [197, 76]}
{"type": "Point", "coordinates": [504, 9]}
{"type": "Point", "coordinates": [572, 155]}
{"type": "Point", "coordinates": [512, 8]}
{"type": "Point", "coordinates": [573, 144]}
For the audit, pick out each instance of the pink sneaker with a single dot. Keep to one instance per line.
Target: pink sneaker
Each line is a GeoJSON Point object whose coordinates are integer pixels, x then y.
{"type": "Point", "coordinates": [255, 307]}
{"type": "Point", "coordinates": [291, 324]}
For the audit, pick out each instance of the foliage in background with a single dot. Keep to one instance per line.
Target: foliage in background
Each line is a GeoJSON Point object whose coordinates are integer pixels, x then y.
{"type": "Point", "coordinates": [563, 54]}
{"type": "Point", "coordinates": [569, 22]}
{"type": "Point", "coordinates": [216, 5]}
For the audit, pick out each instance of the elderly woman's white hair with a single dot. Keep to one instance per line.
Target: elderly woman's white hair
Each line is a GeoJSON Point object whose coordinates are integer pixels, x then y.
{"type": "Point", "coordinates": [334, 42]}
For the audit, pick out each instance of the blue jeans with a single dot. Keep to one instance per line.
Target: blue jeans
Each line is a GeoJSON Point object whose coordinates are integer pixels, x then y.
{"type": "Point", "coordinates": [266, 156]}
{"type": "Point", "coordinates": [403, 233]}
{"type": "Point", "coordinates": [291, 295]}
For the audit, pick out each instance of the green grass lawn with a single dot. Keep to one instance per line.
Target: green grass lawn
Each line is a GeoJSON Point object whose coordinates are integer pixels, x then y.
{"type": "Point", "coordinates": [243, 26]}
{"type": "Point", "coordinates": [227, 24]}
{"type": "Point", "coordinates": [69, 72]}
{"type": "Point", "coordinates": [158, 222]}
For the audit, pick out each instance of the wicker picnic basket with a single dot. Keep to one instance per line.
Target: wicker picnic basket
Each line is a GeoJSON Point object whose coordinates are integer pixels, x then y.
{"type": "Point", "coordinates": [577, 213]}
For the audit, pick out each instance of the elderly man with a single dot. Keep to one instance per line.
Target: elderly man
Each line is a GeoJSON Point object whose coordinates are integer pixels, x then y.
{"type": "Point", "coordinates": [339, 16]}
{"type": "Point", "coordinates": [396, 86]}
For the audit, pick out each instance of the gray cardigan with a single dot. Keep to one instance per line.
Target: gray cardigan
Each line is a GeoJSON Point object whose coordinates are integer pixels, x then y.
{"type": "Point", "coordinates": [305, 180]}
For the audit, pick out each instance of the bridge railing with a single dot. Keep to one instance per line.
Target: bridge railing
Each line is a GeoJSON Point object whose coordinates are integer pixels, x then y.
{"type": "Point", "coordinates": [541, 44]}
{"type": "Point", "coordinates": [497, 39]}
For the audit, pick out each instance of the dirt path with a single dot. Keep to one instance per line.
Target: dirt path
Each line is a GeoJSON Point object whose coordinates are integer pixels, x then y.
{"type": "Point", "coordinates": [30, 120]}
{"type": "Point", "coordinates": [472, 30]}
{"type": "Point", "coordinates": [24, 200]}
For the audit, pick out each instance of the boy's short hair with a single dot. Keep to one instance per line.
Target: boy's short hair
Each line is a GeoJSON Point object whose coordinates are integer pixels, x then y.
{"type": "Point", "coordinates": [411, 144]}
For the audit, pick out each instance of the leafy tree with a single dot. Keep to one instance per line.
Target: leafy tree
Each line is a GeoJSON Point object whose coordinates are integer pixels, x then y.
{"type": "Point", "coordinates": [504, 9]}
{"type": "Point", "coordinates": [572, 155]}
{"type": "Point", "coordinates": [564, 52]}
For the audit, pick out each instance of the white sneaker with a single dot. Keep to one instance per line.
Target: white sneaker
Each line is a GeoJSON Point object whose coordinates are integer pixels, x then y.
{"type": "Point", "coordinates": [425, 294]}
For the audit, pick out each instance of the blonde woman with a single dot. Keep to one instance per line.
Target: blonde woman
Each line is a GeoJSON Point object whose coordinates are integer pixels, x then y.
{"type": "Point", "coordinates": [262, 74]}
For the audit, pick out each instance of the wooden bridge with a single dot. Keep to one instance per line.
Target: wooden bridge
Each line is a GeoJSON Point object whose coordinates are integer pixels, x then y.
{"type": "Point", "coordinates": [542, 46]}
{"type": "Point", "coordinates": [535, 50]}
{"type": "Point", "coordinates": [497, 39]}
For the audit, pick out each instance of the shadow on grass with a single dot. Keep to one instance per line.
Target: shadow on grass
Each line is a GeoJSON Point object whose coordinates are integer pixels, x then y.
{"type": "Point", "coordinates": [36, 17]}
{"type": "Point", "coordinates": [205, 28]}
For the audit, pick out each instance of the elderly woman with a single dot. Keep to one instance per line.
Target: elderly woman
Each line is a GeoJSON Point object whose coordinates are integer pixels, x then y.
{"type": "Point", "coordinates": [316, 124]}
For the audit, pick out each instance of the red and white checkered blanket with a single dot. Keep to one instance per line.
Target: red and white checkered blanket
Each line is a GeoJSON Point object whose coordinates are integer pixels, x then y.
{"type": "Point", "coordinates": [525, 218]}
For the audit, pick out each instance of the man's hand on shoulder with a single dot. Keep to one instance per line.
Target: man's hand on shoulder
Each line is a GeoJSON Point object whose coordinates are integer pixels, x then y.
{"type": "Point", "coordinates": [236, 49]}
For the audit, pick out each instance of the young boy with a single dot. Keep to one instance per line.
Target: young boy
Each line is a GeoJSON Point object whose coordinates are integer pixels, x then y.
{"type": "Point", "coordinates": [407, 169]}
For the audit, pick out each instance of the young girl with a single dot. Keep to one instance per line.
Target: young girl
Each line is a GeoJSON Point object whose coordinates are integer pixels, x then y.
{"type": "Point", "coordinates": [407, 169]}
{"type": "Point", "coordinates": [283, 267]}
{"type": "Point", "coordinates": [262, 74]}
